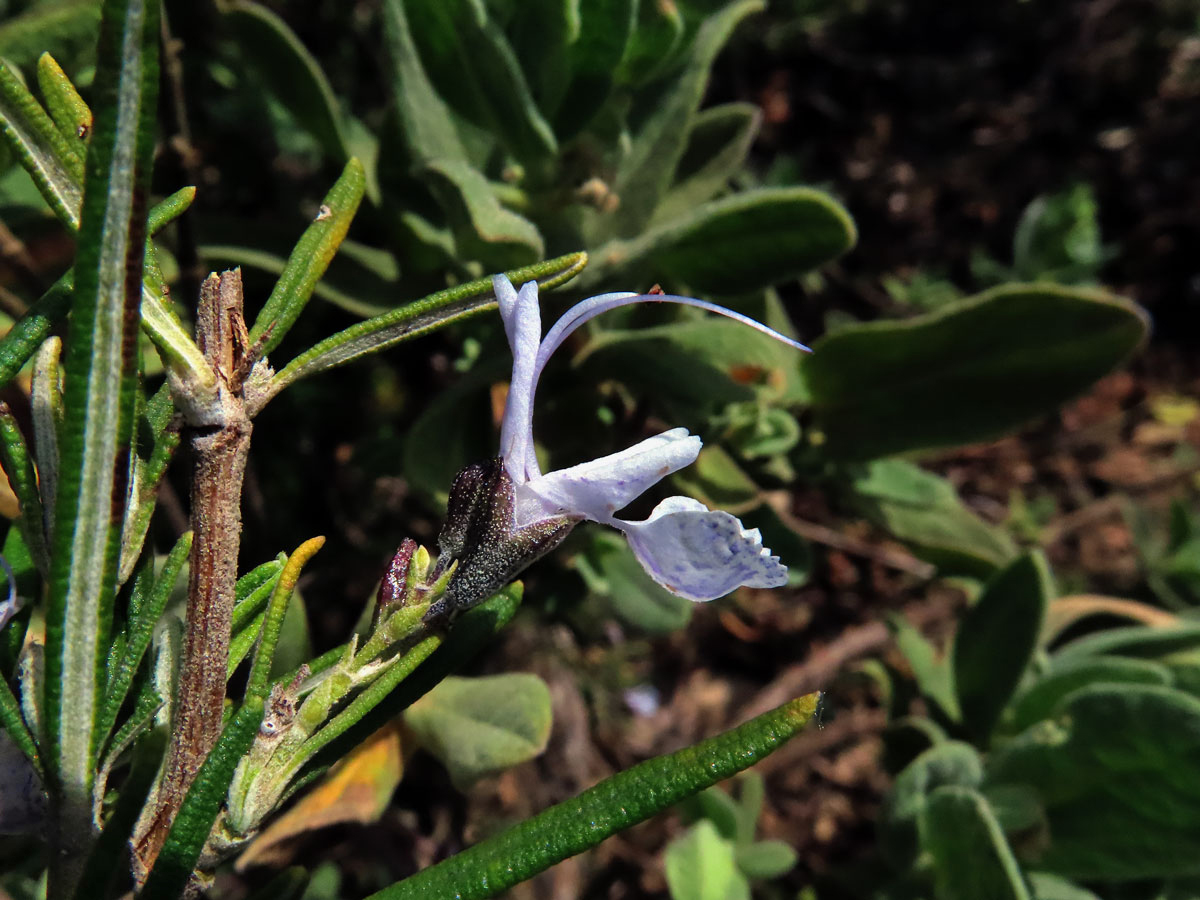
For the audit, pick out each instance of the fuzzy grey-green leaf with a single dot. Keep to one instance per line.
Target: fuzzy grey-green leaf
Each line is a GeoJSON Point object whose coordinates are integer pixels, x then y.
{"type": "Point", "coordinates": [479, 726]}
{"type": "Point", "coordinates": [972, 371]}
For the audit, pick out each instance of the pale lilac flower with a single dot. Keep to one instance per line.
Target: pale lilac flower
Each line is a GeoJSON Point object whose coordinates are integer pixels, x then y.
{"type": "Point", "coordinates": [690, 550]}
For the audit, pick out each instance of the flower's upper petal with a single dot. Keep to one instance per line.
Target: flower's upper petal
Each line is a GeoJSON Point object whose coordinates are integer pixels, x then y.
{"type": "Point", "coordinates": [700, 553]}
{"type": "Point", "coordinates": [523, 326]}
{"type": "Point", "coordinates": [597, 489]}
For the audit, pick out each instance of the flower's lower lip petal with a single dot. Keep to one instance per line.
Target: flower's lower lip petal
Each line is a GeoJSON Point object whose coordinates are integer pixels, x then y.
{"type": "Point", "coordinates": [701, 554]}
{"type": "Point", "coordinates": [598, 489]}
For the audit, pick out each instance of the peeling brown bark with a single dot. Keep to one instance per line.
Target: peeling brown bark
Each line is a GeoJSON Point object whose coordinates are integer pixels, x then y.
{"type": "Point", "coordinates": [219, 452]}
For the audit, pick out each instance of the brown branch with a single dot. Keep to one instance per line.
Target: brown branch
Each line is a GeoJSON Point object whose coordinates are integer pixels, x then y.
{"type": "Point", "coordinates": [815, 673]}
{"type": "Point", "coordinates": [219, 453]}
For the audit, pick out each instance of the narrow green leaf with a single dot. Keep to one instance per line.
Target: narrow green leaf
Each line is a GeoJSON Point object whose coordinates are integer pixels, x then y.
{"type": "Point", "coordinates": [13, 724]}
{"type": "Point", "coordinates": [243, 641]}
{"type": "Point", "coordinates": [67, 109]}
{"type": "Point", "coordinates": [1139, 641]}
{"type": "Point", "coordinates": [141, 632]}
{"type": "Point", "coordinates": [485, 229]}
{"type": "Point", "coordinates": [43, 151]}
{"type": "Point", "coordinates": [264, 655]}
{"type": "Point", "coordinates": [224, 256]}
{"type": "Point", "coordinates": [18, 466]}
{"type": "Point", "coordinates": [110, 850]}
{"type": "Point", "coordinates": [429, 130]}
{"type": "Point", "coordinates": [194, 822]}
{"type": "Point", "coordinates": [701, 866]}
{"type": "Point", "coordinates": [480, 726]}
{"type": "Point", "coordinates": [146, 709]}
{"type": "Point", "coordinates": [254, 589]}
{"type": "Point", "coordinates": [970, 372]}
{"type": "Point", "coordinates": [616, 803]}
{"type": "Point", "coordinates": [971, 858]}
{"type": "Point", "coordinates": [24, 338]}
{"type": "Point", "coordinates": [648, 170]}
{"type": "Point", "coordinates": [58, 173]}
{"type": "Point", "coordinates": [310, 258]}
{"type": "Point", "coordinates": [100, 383]}
{"type": "Point", "coordinates": [46, 403]}
{"type": "Point", "coordinates": [421, 317]}
{"type": "Point", "coordinates": [159, 428]}
{"type": "Point", "coordinates": [996, 641]}
{"type": "Point", "coordinates": [476, 70]}
{"type": "Point", "coordinates": [169, 209]}
{"type": "Point", "coordinates": [474, 630]}
{"type": "Point", "coordinates": [368, 699]}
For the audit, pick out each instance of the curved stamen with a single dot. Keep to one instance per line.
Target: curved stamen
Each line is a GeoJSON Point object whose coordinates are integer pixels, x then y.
{"type": "Point", "coordinates": [586, 310]}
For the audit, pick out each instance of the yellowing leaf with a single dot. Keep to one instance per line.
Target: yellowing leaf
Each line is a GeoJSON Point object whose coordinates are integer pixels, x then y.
{"type": "Point", "coordinates": [1174, 409]}
{"type": "Point", "coordinates": [357, 789]}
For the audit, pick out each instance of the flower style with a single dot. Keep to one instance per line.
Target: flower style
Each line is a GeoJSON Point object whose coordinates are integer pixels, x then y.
{"type": "Point", "coordinates": [505, 514]}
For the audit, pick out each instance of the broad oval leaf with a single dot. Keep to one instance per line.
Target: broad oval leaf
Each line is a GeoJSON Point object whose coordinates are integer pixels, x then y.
{"type": "Point", "coordinates": [701, 866]}
{"type": "Point", "coordinates": [996, 641]}
{"type": "Point", "coordinates": [610, 570]}
{"type": "Point", "coordinates": [479, 726]}
{"type": "Point", "coordinates": [970, 372]}
{"type": "Point", "coordinates": [951, 763]}
{"type": "Point", "coordinates": [971, 858]}
{"type": "Point", "coordinates": [765, 859]}
{"type": "Point", "coordinates": [754, 239]}
{"type": "Point", "coordinates": [1116, 772]}
{"type": "Point", "coordinates": [1041, 699]}
{"type": "Point", "coordinates": [924, 510]}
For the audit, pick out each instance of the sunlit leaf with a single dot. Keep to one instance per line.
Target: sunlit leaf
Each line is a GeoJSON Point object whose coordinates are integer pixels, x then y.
{"type": "Point", "coordinates": [969, 372]}
{"type": "Point", "coordinates": [480, 726]}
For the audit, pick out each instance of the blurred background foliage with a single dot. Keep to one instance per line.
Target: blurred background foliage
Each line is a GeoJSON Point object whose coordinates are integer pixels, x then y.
{"type": "Point", "coordinates": [1014, 173]}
